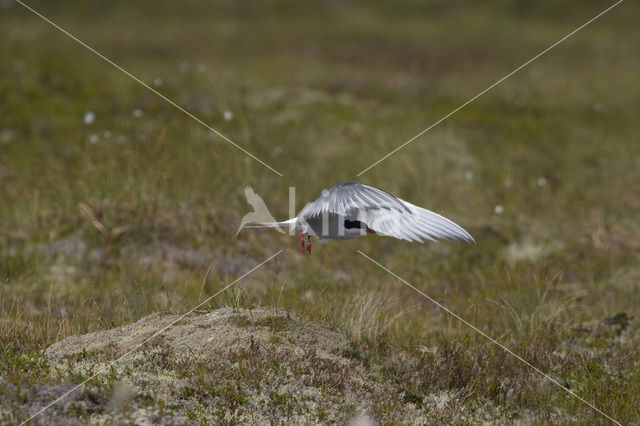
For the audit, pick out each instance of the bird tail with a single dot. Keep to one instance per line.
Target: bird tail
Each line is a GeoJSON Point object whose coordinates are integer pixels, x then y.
{"type": "Point", "coordinates": [272, 224]}
{"type": "Point", "coordinates": [290, 223]}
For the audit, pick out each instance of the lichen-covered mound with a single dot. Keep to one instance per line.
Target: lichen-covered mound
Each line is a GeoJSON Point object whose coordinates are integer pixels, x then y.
{"type": "Point", "coordinates": [225, 366]}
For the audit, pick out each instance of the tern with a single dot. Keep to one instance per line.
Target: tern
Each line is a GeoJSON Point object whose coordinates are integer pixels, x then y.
{"type": "Point", "coordinates": [352, 209]}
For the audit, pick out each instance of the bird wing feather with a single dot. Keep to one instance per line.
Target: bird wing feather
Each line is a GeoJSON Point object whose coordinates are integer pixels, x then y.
{"type": "Point", "coordinates": [416, 225]}
{"type": "Point", "coordinates": [384, 213]}
{"type": "Point", "coordinates": [348, 197]}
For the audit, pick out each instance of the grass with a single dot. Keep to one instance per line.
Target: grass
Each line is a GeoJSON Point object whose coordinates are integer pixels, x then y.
{"type": "Point", "coordinates": [102, 224]}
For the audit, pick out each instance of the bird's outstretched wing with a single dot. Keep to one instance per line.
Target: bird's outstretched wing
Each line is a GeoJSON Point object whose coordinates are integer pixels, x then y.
{"type": "Point", "coordinates": [415, 225]}
{"type": "Point", "coordinates": [349, 197]}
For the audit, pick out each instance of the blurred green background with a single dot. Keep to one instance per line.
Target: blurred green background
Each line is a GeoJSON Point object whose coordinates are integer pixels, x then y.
{"type": "Point", "coordinates": [114, 205]}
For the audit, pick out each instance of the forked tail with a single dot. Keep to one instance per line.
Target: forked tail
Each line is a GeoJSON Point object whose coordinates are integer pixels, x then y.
{"type": "Point", "coordinates": [277, 225]}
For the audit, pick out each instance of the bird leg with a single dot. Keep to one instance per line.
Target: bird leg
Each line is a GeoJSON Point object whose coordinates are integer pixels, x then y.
{"type": "Point", "coordinates": [309, 244]}
{"type": "Point", "coordinates": [301, 241]}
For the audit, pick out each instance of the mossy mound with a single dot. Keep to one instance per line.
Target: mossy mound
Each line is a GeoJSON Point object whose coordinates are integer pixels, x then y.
{"type": "Point", "coordinates": [224, 366]}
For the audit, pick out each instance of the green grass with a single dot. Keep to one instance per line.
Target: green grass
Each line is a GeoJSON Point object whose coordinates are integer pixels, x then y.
{"type": "Point", "coordinates": [94, 235]}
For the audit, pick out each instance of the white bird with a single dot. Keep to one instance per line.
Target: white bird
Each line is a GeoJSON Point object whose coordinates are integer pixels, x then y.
{"type": "Point", "coordinates": [351, 209]}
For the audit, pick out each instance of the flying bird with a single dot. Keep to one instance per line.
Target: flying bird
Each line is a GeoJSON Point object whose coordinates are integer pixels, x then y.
{"type": "Point", "coordinates": [352, 209]}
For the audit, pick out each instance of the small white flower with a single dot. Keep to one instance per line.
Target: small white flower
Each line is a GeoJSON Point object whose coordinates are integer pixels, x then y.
{"type": "Point", "coordinates": [498, 209]}
{"type": "Point", "coordinates": [184, 66]}
{"type": "Point", "coordinates": [157, 82]}
{"type": "Point", "coordinates": [94, 139]}
{"type": "Point", "coordinates": [277, 150]}
{"type": "Point", "coordinates": [89, 117]}
{"type": "Point", "coordinates": [468, 175]}
{"type": "Point", "coordinates": [542, 181]}
{"type": "Point", "coordinates": [228, 115]}
{"type": "Point", "coordinates": [137, 113]}
{"type": "Point", "coordinates": [107, 134]}
{"type": "Point", "coordinates": [508, 182]}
